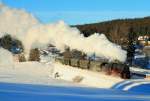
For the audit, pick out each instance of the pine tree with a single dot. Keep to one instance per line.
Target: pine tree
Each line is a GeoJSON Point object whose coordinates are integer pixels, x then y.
{"type": "Point", "coordinates": [34, 55]}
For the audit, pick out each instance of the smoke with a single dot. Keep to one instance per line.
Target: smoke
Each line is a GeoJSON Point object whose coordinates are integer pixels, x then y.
{"type": "Point", "coordinates": [32, 33]}
{"type": "Point", "coordinates": [3, 60]}
{"type": "Point", "coordinates": [15, 22]}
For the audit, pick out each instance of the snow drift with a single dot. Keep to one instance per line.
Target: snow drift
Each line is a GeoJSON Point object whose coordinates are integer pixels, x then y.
{"type": "Point", "coordinates": [44, 74]}
{"type": "Point", "coordinates": [32, 33]}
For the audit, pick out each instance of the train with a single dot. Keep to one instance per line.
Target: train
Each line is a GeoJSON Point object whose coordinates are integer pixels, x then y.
{"type": "Point", "coordinates": [109, 68]}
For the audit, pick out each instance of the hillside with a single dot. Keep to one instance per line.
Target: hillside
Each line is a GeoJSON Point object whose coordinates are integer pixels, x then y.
{"type": "Point", "coordinates": [118, 30]}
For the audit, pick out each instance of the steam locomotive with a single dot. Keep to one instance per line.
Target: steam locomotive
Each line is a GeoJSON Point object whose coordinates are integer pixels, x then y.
{"type": "Point", "coordinates": [118, 69]}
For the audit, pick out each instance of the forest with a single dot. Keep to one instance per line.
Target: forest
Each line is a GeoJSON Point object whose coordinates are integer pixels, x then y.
{"type": "Point", "coordinates": [119, 31]}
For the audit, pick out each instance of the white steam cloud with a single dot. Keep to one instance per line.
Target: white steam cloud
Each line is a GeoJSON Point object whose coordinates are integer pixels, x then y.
{"type": "Point", "coordinates": [3, 60]}
{"type": "Point", "coordinates": [15, 22]}
{"type": "Point", "coordinates": [33, 34]}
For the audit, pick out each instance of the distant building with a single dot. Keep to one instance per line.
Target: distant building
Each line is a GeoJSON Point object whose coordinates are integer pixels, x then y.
{"type": "Point", "coordinates": [144, 40]}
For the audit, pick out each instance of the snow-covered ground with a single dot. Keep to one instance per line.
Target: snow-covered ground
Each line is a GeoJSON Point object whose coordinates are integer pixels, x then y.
{"type": "Point", "coordinates": [48, 72]}
{"type": "Point", "coordinates": [28, 81]}
{"type": "Point", "coordinates": [29, 73]}
{"type": "Point", "coordinates": [42, 73]}
{"type": "Point", "coordinates": [26, 92]}
{"type": "Point", "coordinates": [87, 78]}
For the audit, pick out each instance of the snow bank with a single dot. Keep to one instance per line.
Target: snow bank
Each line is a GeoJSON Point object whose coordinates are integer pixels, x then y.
{"type": "Point", "coordinates": [87, 78]}
{"type": "Point", "coordinates": [30, 73]}
{"type": "Point", "coordinates": [45, 74]}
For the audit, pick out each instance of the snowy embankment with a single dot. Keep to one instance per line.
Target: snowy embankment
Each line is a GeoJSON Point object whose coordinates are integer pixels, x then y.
{"type": "Point", "coordinates": [45, 74]}
{"type": "Point", "coordinates": [29, 73]}
{"type": "Point", "coordinates": [85, 77]}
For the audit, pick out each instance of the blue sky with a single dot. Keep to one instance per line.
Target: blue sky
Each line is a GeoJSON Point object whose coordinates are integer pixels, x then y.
{"type": "Point", "coordinates": [82, 11]}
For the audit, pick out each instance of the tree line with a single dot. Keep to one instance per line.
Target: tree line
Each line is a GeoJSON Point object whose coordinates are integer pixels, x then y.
{"type": "Point", "coordinates": [119, 31]}
{"type": "Point", "coordinates": [15, 46]}
{"type": "Point", "coordinates": [11, 44]}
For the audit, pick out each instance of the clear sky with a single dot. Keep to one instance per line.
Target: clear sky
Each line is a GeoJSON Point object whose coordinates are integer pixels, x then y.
{"type": "Point", "coordinates": [82, 11]}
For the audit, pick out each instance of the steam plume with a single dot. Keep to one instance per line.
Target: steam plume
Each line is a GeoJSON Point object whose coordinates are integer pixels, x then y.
{"type": "Point", "coordinates": [32, 33]}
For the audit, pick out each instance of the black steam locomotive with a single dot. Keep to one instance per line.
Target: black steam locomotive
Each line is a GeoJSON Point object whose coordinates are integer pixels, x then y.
{"type": "Point", "coordinates": [118, 69]}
